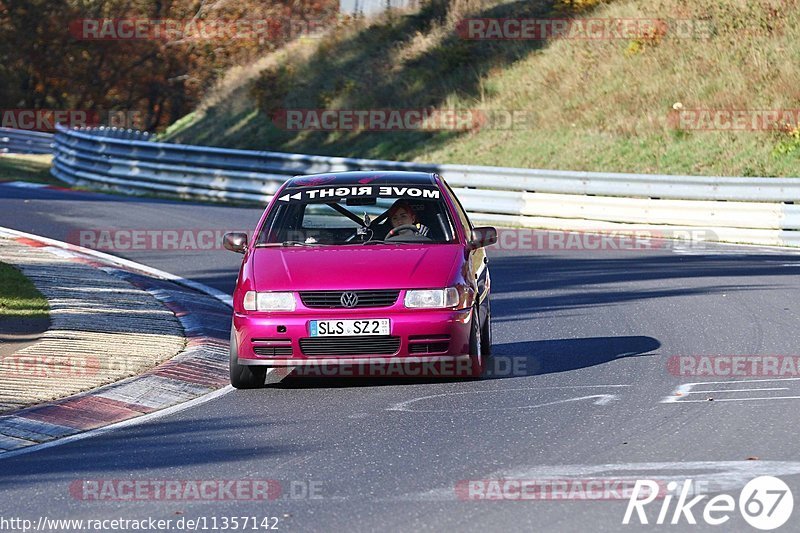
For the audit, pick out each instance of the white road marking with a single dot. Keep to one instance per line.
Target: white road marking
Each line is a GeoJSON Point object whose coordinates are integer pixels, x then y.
{"type": "Point", "coordinates": [733, 249]}
{"type": "Point", "coordinates": [688, 388]}
{"type": "Point", "coordinates": [603, 399]}
{"type": "Point", "coordinates": [734, 390]}
{"type": "Point", "coordinates": [741, 399]}
{"type": "Point", "coordinates": [600, 399]}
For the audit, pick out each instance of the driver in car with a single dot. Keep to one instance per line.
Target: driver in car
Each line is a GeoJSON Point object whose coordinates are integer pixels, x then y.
{"type": "Point", "coordinates": [402, 214]}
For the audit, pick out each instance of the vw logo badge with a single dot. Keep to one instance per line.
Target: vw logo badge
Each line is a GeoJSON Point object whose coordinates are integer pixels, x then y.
{"type": "Point", "coordinates": [349, 299]}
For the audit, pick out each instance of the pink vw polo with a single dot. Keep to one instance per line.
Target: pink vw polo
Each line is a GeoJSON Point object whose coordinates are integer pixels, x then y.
{"type": "Point", "coordinates": [360, 268]}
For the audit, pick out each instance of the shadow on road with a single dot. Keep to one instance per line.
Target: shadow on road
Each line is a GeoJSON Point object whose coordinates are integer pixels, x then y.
{"type": "Point", "coordinates": [160, 444]}
{"type": "Point", "coordinates": [530, 358]}
{"type": "Point", "coordinates": [662, 275]}
{"type": "Point", "coordinates": [512, 360]}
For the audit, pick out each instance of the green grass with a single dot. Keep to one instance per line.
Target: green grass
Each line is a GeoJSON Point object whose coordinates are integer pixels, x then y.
{"type": "Point", "coordinates": [31, 168]}
{"type": "Point", "coordinates": [18, 297]}
{"type": "Point", "coordinates": [592, 104]}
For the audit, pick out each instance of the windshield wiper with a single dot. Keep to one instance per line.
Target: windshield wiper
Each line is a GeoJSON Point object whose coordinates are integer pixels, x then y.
{"type": "Point", "coordinates": [298, 243]}
{"type": "Point", "coordinates": [386, 242]}
{"type": "Point", "coordinates": [285, 243]}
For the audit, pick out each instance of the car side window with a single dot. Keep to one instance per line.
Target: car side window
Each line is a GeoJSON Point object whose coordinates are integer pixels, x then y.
{"type": "Point", "coordinates": [462, 214]}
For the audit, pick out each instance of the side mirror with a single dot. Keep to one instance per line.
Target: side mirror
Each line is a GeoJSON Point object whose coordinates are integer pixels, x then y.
{"type": "Point", "coordinates": [484, 236]}
{"type": "Point", "coordinates": [235, 242]}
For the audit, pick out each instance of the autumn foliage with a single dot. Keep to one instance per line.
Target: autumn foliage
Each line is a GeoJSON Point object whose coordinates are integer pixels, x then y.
{"type": "Point", "coordinates": [148, 59]}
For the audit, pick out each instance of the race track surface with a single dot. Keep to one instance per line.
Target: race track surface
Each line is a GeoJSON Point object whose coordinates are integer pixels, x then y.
{"type": "Point", "coordinates": [592, 334]}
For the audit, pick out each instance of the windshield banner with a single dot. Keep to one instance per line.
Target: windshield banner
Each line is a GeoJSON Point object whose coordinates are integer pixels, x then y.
{"type": "Point", "coordinates": [322, 194]}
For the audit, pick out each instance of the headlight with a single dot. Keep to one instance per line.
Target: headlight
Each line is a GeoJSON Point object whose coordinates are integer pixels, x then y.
{"type": "Point", "coordinates": [432, 298]}
{"type": "Point", "coordinates": [268, 301]}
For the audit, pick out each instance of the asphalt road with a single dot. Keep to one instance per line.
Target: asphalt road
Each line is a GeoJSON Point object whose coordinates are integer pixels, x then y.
{"type": "Point", "coordinates": [592, 334]}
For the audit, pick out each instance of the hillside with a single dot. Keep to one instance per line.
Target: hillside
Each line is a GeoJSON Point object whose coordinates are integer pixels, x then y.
{"type": "Point", "coordinates": [622, 103]}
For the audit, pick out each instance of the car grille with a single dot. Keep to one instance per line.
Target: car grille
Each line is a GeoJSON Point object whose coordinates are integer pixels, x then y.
{"type": "Point", "coordinates": [428, 347]}
{"type": "Point", "coordinates": [418, 344]}
{"type": "Point", "coordinates": [369, 345]}
{"type": "Point", "coordinates": [272, 347]}
{"type": "Point", "coordinates": [332, 299]}
{"type": "Point", "coordinates": [272, 351]}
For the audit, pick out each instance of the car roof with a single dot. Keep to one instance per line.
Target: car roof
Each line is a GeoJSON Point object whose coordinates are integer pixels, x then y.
{"type": "Point", "coordinates": [362, 177]}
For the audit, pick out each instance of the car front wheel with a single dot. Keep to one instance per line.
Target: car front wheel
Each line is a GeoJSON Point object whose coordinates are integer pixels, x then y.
{"type": "Point", "coordinates": [481, 361]}
{"type": "Point", "coordinates": [243, 376]}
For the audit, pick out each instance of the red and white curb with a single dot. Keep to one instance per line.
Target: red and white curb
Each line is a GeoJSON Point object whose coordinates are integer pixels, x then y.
{"type": "Point", "coordinates": [94, 313]}
{"type": "Point", "coordinates": [198, 374]}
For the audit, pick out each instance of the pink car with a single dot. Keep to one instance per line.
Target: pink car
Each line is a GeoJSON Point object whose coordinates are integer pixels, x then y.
{"type": "Point", "coordinates": [360, 270]}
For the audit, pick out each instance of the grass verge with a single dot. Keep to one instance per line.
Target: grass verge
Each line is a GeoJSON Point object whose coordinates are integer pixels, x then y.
{"type": "Point", "coordinates": [18, 297]}
{"type": "Point", "coordinates": [30, 168]}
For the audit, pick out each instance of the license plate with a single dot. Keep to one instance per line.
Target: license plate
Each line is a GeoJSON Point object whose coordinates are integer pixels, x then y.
{"type": "Point", "coordinates": [347, 328]}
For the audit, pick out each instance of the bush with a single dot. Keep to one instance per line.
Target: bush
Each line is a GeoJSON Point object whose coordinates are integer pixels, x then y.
{"type": "Point", "coordinates": [271, 88]}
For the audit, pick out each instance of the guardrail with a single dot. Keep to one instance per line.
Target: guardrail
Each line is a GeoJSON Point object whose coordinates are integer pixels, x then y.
{"type": "Point", "coordinates": [14, 141]}
{"type": "Point", "coordinates": [756, 210]}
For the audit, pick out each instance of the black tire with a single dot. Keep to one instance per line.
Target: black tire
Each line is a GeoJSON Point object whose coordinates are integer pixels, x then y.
{"type": "Point", "coordinates": [243, 376]}
{"type": "Point", "coordinates": [486, 333]}
{"type": "Point", "coordinates": [478, 366]}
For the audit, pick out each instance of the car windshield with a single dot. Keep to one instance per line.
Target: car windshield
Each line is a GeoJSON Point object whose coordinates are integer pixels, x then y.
{"type": "Point", "coordinates": [358, 215]}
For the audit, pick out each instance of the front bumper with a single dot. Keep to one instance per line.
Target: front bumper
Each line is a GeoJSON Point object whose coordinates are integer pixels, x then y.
{"type": "Point", "coordinates": [414, 328]}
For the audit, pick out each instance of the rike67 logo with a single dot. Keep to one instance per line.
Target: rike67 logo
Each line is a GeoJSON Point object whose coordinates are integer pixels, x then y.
{"type": "Point", "coordinates": [765, 503]}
